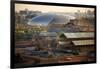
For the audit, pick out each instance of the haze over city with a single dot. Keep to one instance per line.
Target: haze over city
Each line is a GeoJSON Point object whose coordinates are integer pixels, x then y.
{"type": "Point", "coordinates": [47, 8]}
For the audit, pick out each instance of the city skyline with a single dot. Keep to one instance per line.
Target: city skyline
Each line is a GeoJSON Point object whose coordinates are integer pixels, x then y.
{"type": "Point", "coordinates": [46, 8]}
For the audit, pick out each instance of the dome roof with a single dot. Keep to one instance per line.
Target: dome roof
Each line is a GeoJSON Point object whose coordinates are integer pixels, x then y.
{"type": "Point", "coordinates": [45, 19]}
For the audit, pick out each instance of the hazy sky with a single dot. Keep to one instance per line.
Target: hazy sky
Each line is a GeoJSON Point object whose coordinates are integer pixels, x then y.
{"type": "Point", "coordinates": [46, 8]}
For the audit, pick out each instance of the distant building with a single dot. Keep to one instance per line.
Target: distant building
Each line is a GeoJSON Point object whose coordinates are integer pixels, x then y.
{"type": "Point", "coordinates": [23, 16]}
{"type": "Point", "coordinates": [88, 14]}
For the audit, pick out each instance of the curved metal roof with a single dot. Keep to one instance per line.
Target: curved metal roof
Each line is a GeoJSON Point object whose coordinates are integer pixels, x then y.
{"type": "Point", "coordinates": [45, 19]}
{"type": "Point", "coordinates": [42, 19]}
